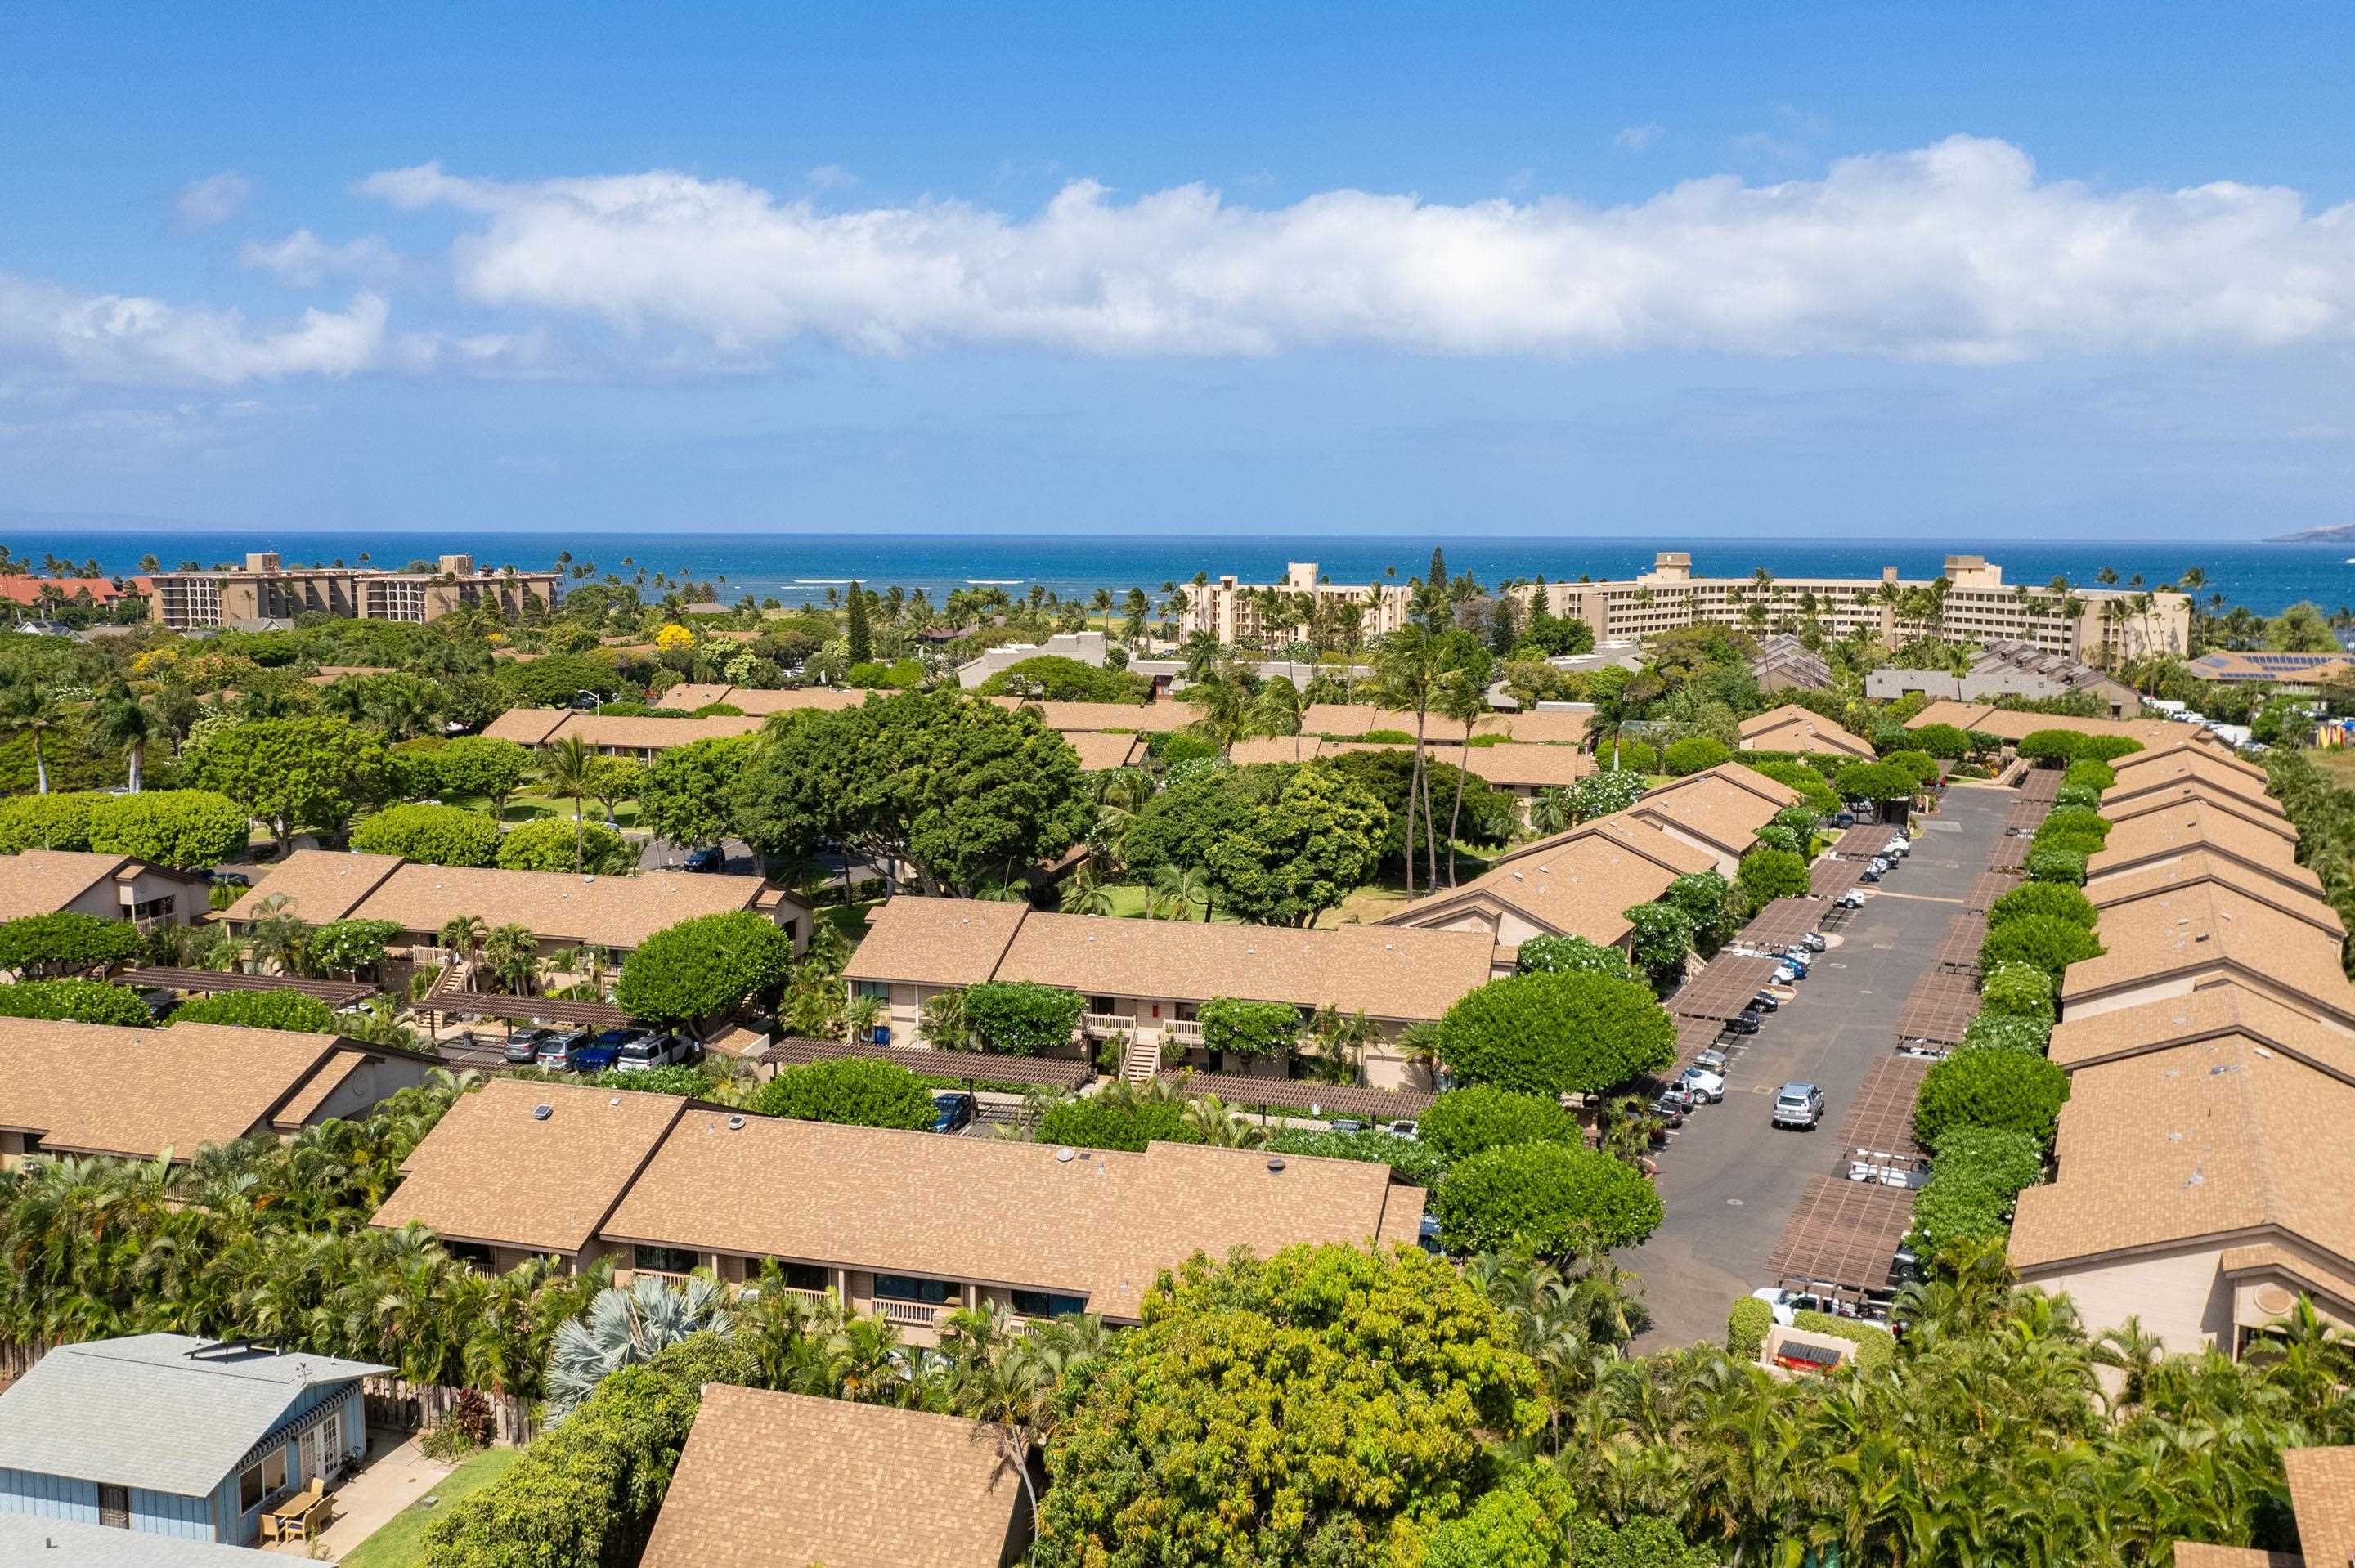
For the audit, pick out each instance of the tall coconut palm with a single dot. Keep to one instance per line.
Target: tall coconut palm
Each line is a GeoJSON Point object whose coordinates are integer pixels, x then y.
{"type": "Point", "coordinates": [569, 768]}
{"type": "Point", "coordinates": [1460, 698]}
{"type": "Point", "coordinates": [1085, 893]}
{"type": "Point", "coordinates": [31, 711]}
{"type": "Point", "coordinates": [462, 935]}
{"type": "Point", "coordinates": [1179, 888]}
{"type": "Point", "coordinates": [1220, 1124]}
{"type": "Point", "coordinates": [121, 719]}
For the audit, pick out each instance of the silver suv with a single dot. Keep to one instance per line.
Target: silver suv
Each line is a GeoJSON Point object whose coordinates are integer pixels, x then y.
{"type": "Point", "coordinates": [1798, 1105]}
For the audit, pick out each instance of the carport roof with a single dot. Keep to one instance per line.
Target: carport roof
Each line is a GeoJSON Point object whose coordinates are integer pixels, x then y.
{"type": "Point", "coordinates": [1845, 1233]}
{"type": "Point", "coordinates": [1724, 988]}
{"type": "Point", "coordinates": [1829, 877]}
{"type": "Point", "coordinates": [1881, 1119]}
{"type": "Point", "coordinates": [1784, 920]}
{"type": "Point", "coordinates": [1959, 949]}
{"type": "Point", "coordinates": [1991, 887]}
{"type": "Point", "coordinates": [1941, 1007]}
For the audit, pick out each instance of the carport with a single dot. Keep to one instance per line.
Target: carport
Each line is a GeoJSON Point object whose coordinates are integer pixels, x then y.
{"type": "Point", "coordinates": [1991, 887]}
{"type": "Point", "coordinates": [1783, 922]}
{"type": "Point", "coordinates": [1958, 951]}
{"type": "Point", "coordinates": [1880, 1118]}
{"type": "Point", "coordinates": [1829, 878]}
{"type": "Point", "coordinates": [335, 993]}
{"type": "Point", "coordinates": [1941, 1007]}
{"type": "Point", "coordinates": [1724, 988]}
{"type": "Point", "coordinates": [448, 999]}
{"type": "Point", "coordinates": [1842, 1242]}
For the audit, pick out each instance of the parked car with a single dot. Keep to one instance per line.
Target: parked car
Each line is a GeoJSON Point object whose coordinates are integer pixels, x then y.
{"type": "Point", "coordinates": [1883, 865]}
{"type": "Point", "coordinates": [1869, 876]}
{"type": "Point", "coordinates": [1901, 846]}
{"type": "Point", "coordinates": [653, 1051]}
{"type": "Point", "coordinates": [1789, 974]}
{"type": "Point", "coordinates": [1743, 1022]}
{"type": "Point", "coordinates": [523, 1045]}
{"type": "Point", "coordinates": [560, 1052]}
{"type": "Point", "coordinates": [1711, 1060]}
{"type": "Point", "coordinates": [1678, 1095]}
{"type": "Point", "coordinates": [1670, 1110]}
{"type": "Point", "coordinates": [1844, 820]}
{"type": "Point", "coordinates": [952, 1111]}
{"type": "Point", "coordinates": [1426, 1235]}
{"type": "Point", "coordinates": [603, 1051]}
{"type": "Point", "coordinates": [1799, 1106]}
{"type": "Point", "coordinates": [710, 857]}
{"type": "Point", "coordinates": [1814, 942]}
{"type": "Point", "coordinates": [1707, 1086]}
{"type": "Point", "coordinates": [1851, 899]}
{"type": "Point", "coordinates": [1764, 1001]}
{"type": "Point", "coordinates": [1346, 1124]}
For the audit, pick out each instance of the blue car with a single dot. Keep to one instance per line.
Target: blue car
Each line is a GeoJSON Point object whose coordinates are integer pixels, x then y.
{"type": "Point", "coordinates": [952, 1112]}
{"type": "Point", "coordinates": [603, 1051]}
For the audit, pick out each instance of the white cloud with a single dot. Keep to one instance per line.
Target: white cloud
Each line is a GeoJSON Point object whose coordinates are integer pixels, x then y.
{"type": "Point", "coordinates": [832, 177]}
{"type": "Point", "coordinates": [1955, 252]}
{"type": "Point", "coordinates": [212, 200]}
{"type": "Point", "coordinates": [124, 339]}
{"type": "Point", "coordinates": [1635, 138]}
{"type": "Point", "coordinates": [303, 258]}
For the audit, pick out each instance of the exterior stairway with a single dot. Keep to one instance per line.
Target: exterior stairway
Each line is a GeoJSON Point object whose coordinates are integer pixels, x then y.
{"type": "Point", "coordinates": [1141, 1061]}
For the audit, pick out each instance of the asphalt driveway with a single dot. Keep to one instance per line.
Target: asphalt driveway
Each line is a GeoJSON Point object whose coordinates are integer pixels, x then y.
{"type": "Point", "coordinates": [1729, 1181]}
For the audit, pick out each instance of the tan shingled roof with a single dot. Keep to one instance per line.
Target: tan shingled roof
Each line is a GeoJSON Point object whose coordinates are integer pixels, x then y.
{"type": "Point", "coordinates": [936, 941]}
{"type": "Point", "coordinates": [622, 731]}
{"type": "Point", "coordinates": [1100, 751]}
{"type": "Point", "coordinates": [761, 704]}
{"type": "Point", "coordinates": [2013, 725]}
{"type": "Point", "coordinates": [2259, 813]}
{"type": "Point", "coordinates": [2222, 1009]}
{"type": "Point", "coordinates": [1511, 764]}
{"type": "Point", "coordinates": [1576, 883]}
{"type": "Point", "coordinates": [2207, 925]}
{"type": "Point", "coordinates": [1794, 728]}
{"type": "Point", "coordinates": [1548, 726]}
{"type": "Point", "coordinates": [613, 911]}
{"type": "Point", "coordinates": [2217, 1137]}
{"type": "Point", "coordinates": [2130, 886]}
{"type": "Point", "coordinates": [784, 1480]}
{"type": "Point", "coordinates": [2322, 1496]}
{"type": "Point", "coordinates": [1262, 748]}
{"type": "Point", "coordinates": [42, 882]}
{"type": "Point", "coordinates": [490, 1172]}
{"type": "Point", "coordinates": [1379, 970]}
{"type": "Point", "coordinates": [2224, 777]}
{"type": "Point", "coordinates": [1101, 1224]}
{"type": "Point", "coordinates": [94, 1088]}
{"type": "Point", "coordinates": [1725, 805]}
{"type": "Point", "coordinates": [2196, 825]}
{"type": "Point", "coordinates": [2170, 752]}
{"type": "Point", "coordinates": [1140, 718]}
{"type": "Point", "coordinates": [2198, 1554]}
{"type": "Point", "coordinates": [525, 727]}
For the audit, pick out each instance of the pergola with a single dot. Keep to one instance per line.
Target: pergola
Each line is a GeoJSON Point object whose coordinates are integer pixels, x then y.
{"type": "Point", "coordinates": [970, 1066]}
{"type": "Point", "coordinates": [1695, 1035]}
{"type": "Point", "coordinates": [1724, 988]}
{"type": "Point", "coordinates": [447, 998]}
{"type": "Point", "coordinates": [1880, 1118]}
{"type": "Point", "coordinates": [1829, 876]}
{"type": "Point", "coordinates": [2042, 784]}
{"type": "Point", "coordinates": [1960, 949]}
{"type": "Point", "coordinates": [335, 993]}
{"type": "Point", "coordinates": [1991, 887]}
{"type": "Point", "coordinates": [1783, 921]}
{"type": "Point", "coordinates": [1843, 1240]}
{"type": "Point", "coordinates": [1321, 1100]}
{"type": "Point", "coordinates": [1941, 1008]}
{"type": "Point", "coordinates": [1862, 841]}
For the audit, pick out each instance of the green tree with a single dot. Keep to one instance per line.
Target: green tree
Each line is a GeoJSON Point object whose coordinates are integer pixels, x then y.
{"type": "Point", "coordinates": [1876, 781]}
{"type": "Point", "coordinates": [347, 946]}
{"type": "Point", "coordinates": [858, 638]}
{"type": "Point", "coordinates": [692, 972]}
{"type": "Point", "coordinates": [1942, 741]}
{"type": "Point", "coordinates": [293, 772]}
{"type": "Point", "coordinates": [1661, 935]}
{"type": "Point", "coordinates": [2050, 746]}
{"type": "Point", "coordinates": [1556, 1034]}
{"type": "Point", "coordinates": [65, 943]}
{"type": "Point", "coordinates": [1551, 1199]}
{"type": "Point", "coordinates": [551, 843]}
{"type": "Point", "coordinates": [2301, 629]}
{"type": "Point", "coordinates": [287, 1010]}
{"type": "Point", "coordinates": [1464, 1122]}
{"type": "Point", "coordinates": [1600, 794]}
{"type": "Point", "coordinates": [54, 821]}
{"type": "Point", "coordinates": [1265, 1029]}
{"type": "Point", "coordinates": [2003, 1089]}
{"type": "Point", "coordinates": [121, 718]}
{"type": "Point", "coordinates": [183, 828]}
{"type": "Point", "coordinates": [477, 767]}
{"type": "Point", "coordinates": [1573, 955]}
{"type": "Point", "coordinates": [1287, 1412]}
{"type": "Point", "coordinates": [84, 1001]}
{"type": "Point", "coordinates": [1117, 1118]}
{"type": "Point", "coordinates": [1050, 677]}
{"type": "Point", "coordinates": [1978, 1172]}
{"type": "Point", "coordinates": [1023, 1018]}
{"type": "Point", "coordinates": [859, 1091]}
{"type": "Point", "coordinates": [2047, 941]}
{"type": "Point", "coordinates": [2057, 900]}
{"type": "Point", "coordinates": [684, 797]}
{"type": "Point", "coordinates": [1301, 853]}
{"type": "Point", "coordinates": [436, 835]}
{"type": "Point", "coordinates": [1769, 874]}
{"type": "Point", "coordinates": [31, 710]}
{"type": "Point", "coordinates": [565, 767]}
{"type": "Point", "coordinates": [558, 679]}
{"type": "Point", "coordinates": [2055, 863]}
{"type": "Point", "coordinates": [2019, 991]}
{"type": "Point", "coordinates": [1522, 1523]}
{"type": "Point", "coordinates": [1695, 754]}
{"type": "Point", "coordinates": [611, 780]}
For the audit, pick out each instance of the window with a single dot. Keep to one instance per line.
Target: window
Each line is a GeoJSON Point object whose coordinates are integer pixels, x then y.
{"type": "Point", "coordinates": [274, 1471]}
{"type": "Point", "coordinates": [1045, 1304]}
{"type": "Point", "coordinates": [1099, 1005]}
{"type": "Point", "coordinates": [249, 1488]}
{"type": "Point", "coordinates": [474, 1254]}
{"type": "Point", "coordinates": [877, 991]}
{"type": "Point", "coordinates": [113, 1507]}
{"type": "Point", "coordinates": [664, 1259]}
{"type": "Point", "coordinates": [807, 1276]}
{"type": "Point", "coordinates": [902, 1287]}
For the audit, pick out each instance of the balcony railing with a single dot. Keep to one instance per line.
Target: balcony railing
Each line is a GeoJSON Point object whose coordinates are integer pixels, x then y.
{"type": "Point", "coordinates": [908, 1314]}
{"type": "Point", "coordinates": [1183, 1031]}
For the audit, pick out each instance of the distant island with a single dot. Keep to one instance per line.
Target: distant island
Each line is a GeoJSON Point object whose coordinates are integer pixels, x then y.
{"type": "Point", "coordinates": [2343, 534]}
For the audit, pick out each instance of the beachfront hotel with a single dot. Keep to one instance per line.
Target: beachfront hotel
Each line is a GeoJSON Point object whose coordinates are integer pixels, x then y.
{"type": "Point", "coordinates": [266, 589]}
{"type": "Point", "coordinates": [2109, 626]}
{"type": "Point", "coordinates": [1239, 612]}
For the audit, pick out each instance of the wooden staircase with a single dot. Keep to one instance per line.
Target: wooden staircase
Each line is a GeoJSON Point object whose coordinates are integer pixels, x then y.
{"type": "Point", "coordinates": [1140, 1061]}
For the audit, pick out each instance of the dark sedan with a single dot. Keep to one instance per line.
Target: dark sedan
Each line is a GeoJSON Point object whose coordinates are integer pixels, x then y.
{"type": "Point", "coordinates": [953, 1112]}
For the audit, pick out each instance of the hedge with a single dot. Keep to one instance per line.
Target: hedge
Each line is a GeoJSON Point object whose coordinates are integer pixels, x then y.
{"type": "Point", "coordinates": [2053, 864]}
{"type": "Point", "coordinates": [2089, 772]}
{"type": "Point", "coordinates": [1269, 1029]}
{"type": "Point", "coordinates": [1695, 754]}
{"type": "Point", "coordinates": [436, 835]}
{"type": "Point", "coordinates": [2023, 991]}
{"type": "Point", "coordinates": [1978, 1172]}
{"type": "Point", "coordinates": [183, 828]}
{"type": "Point", "coordinates": [1876, 1348]}
{"type": "Point", "coordinates": [65, 943]}
{"type": "Point", "coordinates": [84, 1001]}
{"type": "Point", "coordinates": [1554, 1199]}
{"type": "Point", "coordinates": [1023, 1018]}
{"type": "Point", "coordinates": [2004, 1090]}
{"type": "Point", "coordinates": [2051, 898]}
{"type": "Point", "coordinates": [856, 1091]}
{"type": "Point", "coordinates": [2047, 941]}
{"type": "Point", "coordinates": [1412, 1160]}
{"type": "Point", "coordinates": [59, 820]}
{"type": "Point", "coordinates": [1100, 1121]}
{"type": "Point", "coordinates": [1820, 796]}
{"type": "Point", "coordinates": [2005, 1032]}
{"type": "Point", "coordinates": [1556, 1034]}
{"type": "Point", "coordinates": [1464, 1122]}
{"type": "Point", "coordinates": [288, 1009]}
{"type": "Point", "coordinates": [1747, 1328]}
{"type": "Point", "coordinates": [1551, 955]}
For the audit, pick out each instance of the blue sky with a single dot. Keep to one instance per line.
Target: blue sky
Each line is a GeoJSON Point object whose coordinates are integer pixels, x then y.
{"type": "Point", "coordinates": [1695, 270]}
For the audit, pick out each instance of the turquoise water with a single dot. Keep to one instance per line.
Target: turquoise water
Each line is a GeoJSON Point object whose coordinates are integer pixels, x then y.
{"type": "Point", "coordinates": [790, 565]}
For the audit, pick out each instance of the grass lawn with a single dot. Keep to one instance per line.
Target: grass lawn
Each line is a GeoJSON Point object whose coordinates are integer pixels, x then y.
{"type": "Point", "coordinates": [851, 920]}
{"type": "Point", "coordinates": [527, 806]}
{"type": "Point", "coordinates": [2337, 763]}
{"type": "Point", "coordinates": [402, 1541]}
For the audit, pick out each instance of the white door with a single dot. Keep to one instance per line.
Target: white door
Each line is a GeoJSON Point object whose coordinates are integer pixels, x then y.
{"type": "Point", "coordinates": [319, 1449]}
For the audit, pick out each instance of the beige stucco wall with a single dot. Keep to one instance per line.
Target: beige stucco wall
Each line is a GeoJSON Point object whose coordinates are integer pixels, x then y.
{"type": "Point", "coordinates": [371, 1083]}
{"type": "Point", "coordinates": [2178, 1295]}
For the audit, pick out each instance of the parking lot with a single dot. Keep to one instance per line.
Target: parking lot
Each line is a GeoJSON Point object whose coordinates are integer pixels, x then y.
{"type": "Point", "coordinates": [1731, 1182]}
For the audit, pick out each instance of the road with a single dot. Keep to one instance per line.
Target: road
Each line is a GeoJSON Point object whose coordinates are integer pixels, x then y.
{"type": "Point", "coordinates": [1729, 1181]}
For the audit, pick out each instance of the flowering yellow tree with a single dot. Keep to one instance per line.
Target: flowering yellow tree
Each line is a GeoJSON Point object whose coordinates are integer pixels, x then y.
{"type": "Point", "coordinates": [674, 636]}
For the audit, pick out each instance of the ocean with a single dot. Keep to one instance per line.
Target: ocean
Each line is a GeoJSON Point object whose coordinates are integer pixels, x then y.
{"type": "Point", "coordinates": [792, 567]}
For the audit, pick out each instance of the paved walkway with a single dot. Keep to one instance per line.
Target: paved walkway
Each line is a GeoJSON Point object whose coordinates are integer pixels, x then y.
{"type": "Point", "coordinates": [1731, 1181]}
{"type": "Point", "coordinates": [397, 1473]}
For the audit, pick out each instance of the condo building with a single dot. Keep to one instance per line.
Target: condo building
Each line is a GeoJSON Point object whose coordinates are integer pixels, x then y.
{"type": "Point", "coordinates": [2099, 626]}
{"type": "Point", "coordinates": [1253, 613]}
{"type": "Point", "coordinates": [265, 590]}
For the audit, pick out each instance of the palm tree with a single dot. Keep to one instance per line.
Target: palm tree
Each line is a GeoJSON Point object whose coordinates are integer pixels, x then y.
{"type": "Point", "coordinates": [1409, 668]}
{"type": "Point", "coordinates": [124, 721]}
{"type": "Point", "coordinates": [1460, 698]}
{"type": "Point", "coordinates": [568, 768]}
{"type": "Point", "coordinates": [1086, 893]}
{"type": "Point", "coordinates": [511, 954]}
{"type": "Point", "coordinates": [1553, 812]}
{"type": "Point", "coordinates": [624, 1328]}
{"type": "Point", "coordinates": [1179, 888]}
{"type": "Point", "coordinates": [862, 1015]}
{"type": "Point", "coordinates": [1220, 1124]}
{"type": "Point", "coordinates": [31, 711]}
{"type": "Point", "coordinates": [462, 935]}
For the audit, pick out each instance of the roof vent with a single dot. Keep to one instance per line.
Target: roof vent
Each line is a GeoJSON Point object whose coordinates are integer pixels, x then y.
{"type": "Point", "coordinates": [541, 1113]}
{"type": "Point", "coordinates": [2266, 1053]}
{"type": "Point", "coordinates": [1275, 1164]}
{"type": "Point", "coordinates": [2203, 935]}
{"type": "Point", "coordinates": [614, 1101]}
{"type": "Point", "coordinates": [1064, 1156]}
{"type": "Point", "coordinates": [735, 1123]}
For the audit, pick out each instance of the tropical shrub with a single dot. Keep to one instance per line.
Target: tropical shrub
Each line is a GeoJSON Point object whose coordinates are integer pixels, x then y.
{"type": "Point", "coordinates": [1551, 1199]}
{"type": "Point", "coordinates": [2052, 864]}
{"type": "Point", "coordinates": [1523, 1522]}
{"type": "Point", "coordinates": [1115, 1121]}
{"type": "Point", "coordinates": [699, 969]}
{"type": "Point", "coordinates": [1942, 741]}
{"type": "Point", "coordinates": [1875, 782]}
{"type": "Point", "coordinates": [1023, 1018]}
{"type": "Point", "coordinates": [2047, 941]}
{"type": "Point", "coordinates": [1635, 757]}
{"type": "Point", "coordinates": [1821, 798]}
{"type": "Point", "coordinates": [2005, 1032]}
{"type": "Point", "coordinates": [546, 844]}
{"type": "Point", "coordinates": [1747, 1328]}
{"type": "Point", "coordinates": [1573, 955]}
{"type": "Point", "coordinates": [859, 1091]}
{"type": "Point", "coordinates": [1662, 936]}
{"type": "Point", "coordinates": [1876, 1348]}
{"type": "Point", "coordinates": [65, 943]}
{"type": "Point", "coordinates": [2051, 746]}
{"type": "Point", "coordinates": [2077, 795]}
{"type": "Point", "coordinates": [2022, 991]}
{"type": "Point", "coordinates": [1920, 764]}
{"type": "Point", "coordinates": [1695, 754]}
{"type": "Point", "coordinates": [347, 946]}
{"type": "Point", "coordinates": [1464, 1122]}
{"type": "Point", "coordinates": [1556, 1034]}
{"type": "Point", "coordinates": [2055, 899]}
{"type": "Point", "coordinates": [183, 828]}
{"type": "Point", "coordinates": [437, 835]}
{"type": "Point", "coordinates": [1769, 874]}
{"type": "Point", "coordinates": [57, 820]}
{"type": "Point", "coordinates": [1600, 794]}
{"type": "Point", "coordinates": [1269, 1029]}
{"type": "Point", "coordinates": [1703, 896]}
{"type": "Point", "coordinates": [84, 1001]}
{"type": "Point", "coordinates": [1412, 1160]}
{"type": "Point", "coordinates": [288, 1009]}
{"type": "Point", "coordinates": [2108, 748]}
{"type": "Point", "coordinates": [1979, 1173]}
{"type": "Point", "coordinates": [2089, 773]}
{"type": "Point", "coordinates": [2004, 1090]}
